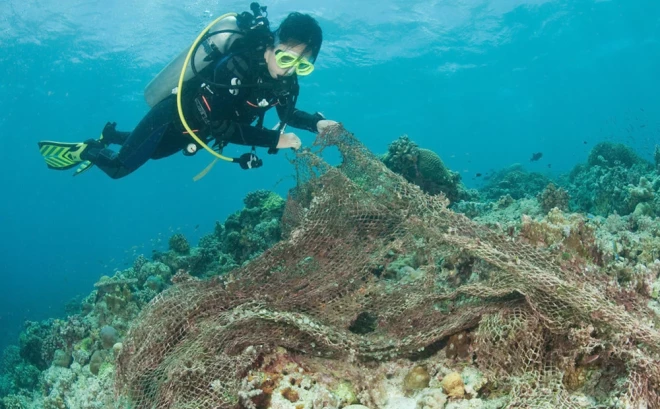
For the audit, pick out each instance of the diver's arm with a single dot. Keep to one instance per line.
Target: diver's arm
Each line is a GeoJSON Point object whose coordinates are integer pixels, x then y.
{"type": "Point", "coordinates": [300, 119]}
{"type": "Point", "coordinates": [245, 134]}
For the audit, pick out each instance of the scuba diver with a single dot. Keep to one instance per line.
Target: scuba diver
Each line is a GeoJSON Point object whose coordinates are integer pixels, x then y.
{"type": "Point", "coordinates": [235, 71]}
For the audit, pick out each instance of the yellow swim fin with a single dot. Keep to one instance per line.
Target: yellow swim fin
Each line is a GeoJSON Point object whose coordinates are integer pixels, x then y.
{"type": "Point", "coordinates": [62, 155]}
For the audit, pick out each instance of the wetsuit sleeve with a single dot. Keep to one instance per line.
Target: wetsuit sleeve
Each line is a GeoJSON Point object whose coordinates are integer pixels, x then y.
{"type": "Point", "coordinates": [299, 119]}
{"type": "Point", "coordinates": [244, 134]}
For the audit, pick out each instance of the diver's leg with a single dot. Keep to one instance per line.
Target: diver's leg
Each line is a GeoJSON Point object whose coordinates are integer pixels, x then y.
{"type": "Point", "coordinates": [137, 148]}
{"type": "Point", "coordinates": [110, 135]}
{"type": "Point", "coordinates": [135, 152]}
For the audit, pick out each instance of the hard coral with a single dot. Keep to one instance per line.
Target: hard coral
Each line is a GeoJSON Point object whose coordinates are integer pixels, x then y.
{"type": "Point", "coordinates": [614, 179]}
{"type": "Point", "coordinates": [459, 345]}
{"type": "Point", "coordinates": [568, 234]}
{"type": "Point", "coordinates": [514, 181]}
{"type": "Point", "coordinates": [609, 155]}
{"type": "Point", "coordinates": [109, 336]}
{"type": "Point", "coordinates": [453, 385]}
{"type": "Point", "coordinates": [257, 227]}
{"type": "Point", "coordinates": [37, 345]}
{"type": "Point", "coordinates": [179, 244]}
{"type": "Point", "coordinates": [424, 168]}
{"type": "Point", "coordinates": [417, 379]}
{"type": "Point", "coordinates": [552, 197]}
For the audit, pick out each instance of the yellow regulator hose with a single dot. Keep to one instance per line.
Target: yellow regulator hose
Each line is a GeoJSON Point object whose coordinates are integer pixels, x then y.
{"type": "Point", "coordinates": [180, 85]}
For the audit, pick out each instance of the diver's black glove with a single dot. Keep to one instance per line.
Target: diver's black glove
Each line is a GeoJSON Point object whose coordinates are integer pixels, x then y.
{"type": "Point", "coordinates": [249, 161]}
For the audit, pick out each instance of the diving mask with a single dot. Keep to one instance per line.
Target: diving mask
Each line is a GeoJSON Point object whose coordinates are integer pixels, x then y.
{"type": "Point", "coordinates": [285, 60]}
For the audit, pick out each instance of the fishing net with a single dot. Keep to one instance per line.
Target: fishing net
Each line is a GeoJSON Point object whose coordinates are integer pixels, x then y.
{"type": "Point", "coordinates": [326, 290]}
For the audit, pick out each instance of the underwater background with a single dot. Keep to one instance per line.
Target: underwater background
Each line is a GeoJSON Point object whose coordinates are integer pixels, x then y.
{"type": "Point", "coordinates": [483, 83]}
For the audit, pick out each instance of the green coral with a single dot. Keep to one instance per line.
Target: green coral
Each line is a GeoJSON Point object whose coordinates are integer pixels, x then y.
{"type": "Point", "coordinates": [402, 156]}
{"type": "Point", "coordinates": [436, 177]}
{"type": "Point", "coordinates": [424, 168]}
{"type": "Point", "coordinates": [14, 402]}
{"type": "Point", "coordinates": [614, 179]}
{"type": "Point", "coordinates": [35, 343]}
{"type": "Point", "coordinates": [609, 155]}
{"type": "Point", "coordinates": [26, 376]}
{"type": "Point", "coordinates": [86, 344]}
{"type": "Point", "coordinates": [178, 243]}
{"type": "Point", "coordinates": [249, 232]}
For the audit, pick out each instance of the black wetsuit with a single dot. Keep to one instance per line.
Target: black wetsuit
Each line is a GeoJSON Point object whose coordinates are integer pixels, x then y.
{"type": "Point", "coordinates": [216, 114]}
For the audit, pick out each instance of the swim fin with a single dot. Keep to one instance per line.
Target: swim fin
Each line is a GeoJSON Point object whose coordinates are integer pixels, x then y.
{"type": "Point", "coordinates": [66, 155]}
{"type": "Point", "coordinates": [62, 155]}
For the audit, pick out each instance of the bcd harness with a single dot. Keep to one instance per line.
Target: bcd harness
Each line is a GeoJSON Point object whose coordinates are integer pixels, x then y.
{"type": "Point", "coordinates": [255, 37]}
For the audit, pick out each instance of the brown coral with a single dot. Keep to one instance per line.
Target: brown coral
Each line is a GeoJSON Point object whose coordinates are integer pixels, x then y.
{"type": "Point", "coordinates": [291, 395]}
{"type": "Point", "coordinates": [458, 345]}
{"type": "Point", "coordinates": [417, 379]}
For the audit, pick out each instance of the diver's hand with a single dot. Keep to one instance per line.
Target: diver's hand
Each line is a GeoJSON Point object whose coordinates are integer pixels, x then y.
{"type": "Point", "coordinates": [289, 140]}
{"type": "Point", "coordinates": [323, 124]}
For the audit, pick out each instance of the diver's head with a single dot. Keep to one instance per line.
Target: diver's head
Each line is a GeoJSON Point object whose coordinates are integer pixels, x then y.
{"type": "Point", "coordinates": [297, 44]}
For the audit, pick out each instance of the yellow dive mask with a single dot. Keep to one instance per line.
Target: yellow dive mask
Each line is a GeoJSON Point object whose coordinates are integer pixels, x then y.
{"type": "Point", "coordinates": [285, 60]}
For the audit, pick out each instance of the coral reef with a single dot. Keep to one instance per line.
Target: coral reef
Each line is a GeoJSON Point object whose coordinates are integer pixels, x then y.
{"type": "Point", "coordinates": [286, 380]}
{"type": "Point", "coordinates": [254, 229]}
{"type": "Point", "coordinates": [613, 240]}
{"type": "Point", "coordinates": [614, 179]}
{"type": "Point", "coordinates": [513, 181]}
{"type": "Point", "coordinates": [243, 236]}
{"type": "Point", "coordinates": [179, 244]}
{"type": "Point", "coordinates": [109, 336]}
{"type": "Point", "coordinates": [72, 359]}
{"type": "Point", "coordinates": [424, 168]}
{"type": "Point", "coordinates": [552, 197]}
{"type": "Point", "coordinates": [611, 155]}
{"type": "Point", "coordinates": [374, 289]}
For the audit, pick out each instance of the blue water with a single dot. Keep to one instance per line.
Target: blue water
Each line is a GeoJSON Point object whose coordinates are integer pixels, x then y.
{"type": "Point", "coordinates": [485, 83]}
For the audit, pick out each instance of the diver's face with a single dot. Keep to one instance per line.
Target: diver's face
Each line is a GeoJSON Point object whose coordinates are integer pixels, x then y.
{"type": "Point", "coordinates": [275, 70]}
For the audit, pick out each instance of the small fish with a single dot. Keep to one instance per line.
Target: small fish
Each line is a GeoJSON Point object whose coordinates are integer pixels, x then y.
{"type": "Point", "coordinates": [584, 142]}
{"type": "Point", "coordinates": [536, 156]}
{"type": "Point", "coordinates": [549, 165]}
{"type": "Point", "coordinates": [197, 227]}
{"type": "Point", "coordinates": [478, 175]}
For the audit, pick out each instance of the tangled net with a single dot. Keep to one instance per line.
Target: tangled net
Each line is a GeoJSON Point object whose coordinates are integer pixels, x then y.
{"type": "Point", "coordinates": [323, 291]}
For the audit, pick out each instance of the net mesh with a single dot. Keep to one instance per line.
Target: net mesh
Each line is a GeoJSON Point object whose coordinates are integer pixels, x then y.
{"type": "Point", "coordinates": [324, 290]}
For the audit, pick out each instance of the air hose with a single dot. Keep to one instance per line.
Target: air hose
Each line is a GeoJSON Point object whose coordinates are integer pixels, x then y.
{"type": "Point", "coordinates": [180, 86]}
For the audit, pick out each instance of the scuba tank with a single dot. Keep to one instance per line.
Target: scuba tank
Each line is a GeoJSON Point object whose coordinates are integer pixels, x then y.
{"type": "Point", "coordinates": [164, 84]}
{"type": "Point", "coordinates": [218, 38]}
